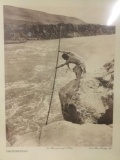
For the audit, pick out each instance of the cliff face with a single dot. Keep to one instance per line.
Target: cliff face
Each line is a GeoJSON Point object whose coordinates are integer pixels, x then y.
{"type": "Point", "coordinates": [36, 25]}
{"type": "Point", "coordinates": [91, 100]}
{"type": "Point", "coordinates": [31, 31]}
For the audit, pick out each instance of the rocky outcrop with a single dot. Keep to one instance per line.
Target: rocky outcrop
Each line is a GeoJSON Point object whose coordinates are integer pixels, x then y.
{"type": "Point", "coordinates": [66, 134]}
{"type": "Point", "coordinates": [91, 100]}
{"type": "Point", "coordinates": [108, 82]}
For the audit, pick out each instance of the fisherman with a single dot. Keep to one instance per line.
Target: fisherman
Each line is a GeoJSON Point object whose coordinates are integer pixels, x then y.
{"type": "Point", "coordinates": [79, 69]}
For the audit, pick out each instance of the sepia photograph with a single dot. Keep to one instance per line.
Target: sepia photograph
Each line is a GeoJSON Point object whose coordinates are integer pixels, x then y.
{"type": "Point", "coordinates": [59, 74]}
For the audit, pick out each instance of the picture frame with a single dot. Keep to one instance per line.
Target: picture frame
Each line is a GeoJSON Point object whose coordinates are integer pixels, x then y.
{"type": "Point", "coordinates": [62, 152]}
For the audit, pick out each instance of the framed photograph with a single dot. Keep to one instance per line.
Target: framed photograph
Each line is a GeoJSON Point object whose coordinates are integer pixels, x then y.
{"type": "Point", "coordinates": [59, 80]}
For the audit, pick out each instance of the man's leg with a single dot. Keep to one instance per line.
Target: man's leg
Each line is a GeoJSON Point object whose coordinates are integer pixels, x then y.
{"type": "Point", "coordinates": [78, 72]}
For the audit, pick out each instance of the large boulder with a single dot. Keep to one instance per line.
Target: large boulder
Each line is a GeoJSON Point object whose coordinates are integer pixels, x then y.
{"type": "Point", "coordinates": [82, 104]}
{"type": "Point", "coordinates": [67, 134]}
{"type": "Point", "coordinates": [90, 99]}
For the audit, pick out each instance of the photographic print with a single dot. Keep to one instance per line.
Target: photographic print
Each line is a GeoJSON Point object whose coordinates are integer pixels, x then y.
{"type": "Point", "coordinates": [59, 74]}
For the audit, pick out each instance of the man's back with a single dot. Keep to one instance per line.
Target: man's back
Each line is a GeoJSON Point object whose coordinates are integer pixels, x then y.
{"type": "Point", "coordinates": [73, 58]}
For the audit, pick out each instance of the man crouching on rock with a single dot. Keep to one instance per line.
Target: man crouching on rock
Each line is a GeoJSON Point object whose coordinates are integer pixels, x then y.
{"type": "Point", "coordinates": [79, 69]}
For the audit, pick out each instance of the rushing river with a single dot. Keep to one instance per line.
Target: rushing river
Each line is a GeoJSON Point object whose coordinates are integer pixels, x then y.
{"type": "Point", "coordinates": [29, 74]}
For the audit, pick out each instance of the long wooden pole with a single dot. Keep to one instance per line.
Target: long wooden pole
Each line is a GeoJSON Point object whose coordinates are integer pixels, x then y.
{"type": "Point", "coordinates": [54, 76]}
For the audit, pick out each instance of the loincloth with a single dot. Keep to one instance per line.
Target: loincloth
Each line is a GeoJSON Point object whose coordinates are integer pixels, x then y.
{"type": "Point", "coordinates": [81, 67]}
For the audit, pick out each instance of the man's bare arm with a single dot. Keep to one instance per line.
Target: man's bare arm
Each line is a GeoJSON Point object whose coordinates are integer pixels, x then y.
{"type": "Point", "coordinates": [62, 65]}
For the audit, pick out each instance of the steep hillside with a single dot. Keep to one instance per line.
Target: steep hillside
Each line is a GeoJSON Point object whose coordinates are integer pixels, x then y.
{"type": "Point", "coordinates": [22, 15]}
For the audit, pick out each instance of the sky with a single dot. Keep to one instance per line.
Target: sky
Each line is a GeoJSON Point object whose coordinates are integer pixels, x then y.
{"type": "Point", "coordinates": [90, 11]}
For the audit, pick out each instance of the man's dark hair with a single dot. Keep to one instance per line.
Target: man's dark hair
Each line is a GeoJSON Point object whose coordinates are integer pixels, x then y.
{"type": "Point", "coordinates": [65, 56]}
